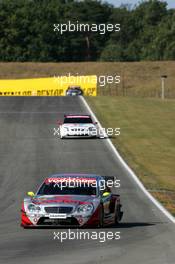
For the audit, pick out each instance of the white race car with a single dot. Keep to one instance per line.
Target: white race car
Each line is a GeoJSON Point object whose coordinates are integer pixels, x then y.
{"type": "Point", "coordinates": [78, 126]}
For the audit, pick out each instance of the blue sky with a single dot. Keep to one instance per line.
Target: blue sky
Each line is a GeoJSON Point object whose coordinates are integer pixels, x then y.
{"type": "Point", "coordinates": [171, 3]}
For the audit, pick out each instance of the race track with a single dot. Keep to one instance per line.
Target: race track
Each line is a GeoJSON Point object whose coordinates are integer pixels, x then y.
{"type": "Point", "coordinates": [29, 152]}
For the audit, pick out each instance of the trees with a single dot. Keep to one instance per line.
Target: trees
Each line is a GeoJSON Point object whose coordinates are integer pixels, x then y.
{"type": "Point", "coordinates": [112, 52]}
{"type": "Point", "coordinates": [26, 31]}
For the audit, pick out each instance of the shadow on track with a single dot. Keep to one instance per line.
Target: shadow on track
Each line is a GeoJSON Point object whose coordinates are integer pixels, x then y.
{"type": "Point", "coordinates": [121, 225]}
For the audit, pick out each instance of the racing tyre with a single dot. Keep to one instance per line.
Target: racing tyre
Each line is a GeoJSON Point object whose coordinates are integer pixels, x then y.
{"type": "Point", "coordinates": [118, 214]}
{"type": "Point", "coordinates": [101, 217]}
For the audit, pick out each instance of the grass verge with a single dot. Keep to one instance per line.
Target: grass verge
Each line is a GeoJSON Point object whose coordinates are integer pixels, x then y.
{"type": "Point", "coordinates": [147, 139]}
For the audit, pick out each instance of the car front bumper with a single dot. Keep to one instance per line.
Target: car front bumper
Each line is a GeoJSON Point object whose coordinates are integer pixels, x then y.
{"type": "Point", "coordinates": [34, 220]}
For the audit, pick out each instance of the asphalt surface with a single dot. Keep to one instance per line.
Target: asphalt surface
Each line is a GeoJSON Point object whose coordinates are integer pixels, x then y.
{"type": "Point", "coordinates": [29, 152]}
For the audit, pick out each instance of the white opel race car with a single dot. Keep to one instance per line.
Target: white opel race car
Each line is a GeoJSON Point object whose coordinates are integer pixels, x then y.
{"type": "Point", "coordinates": [78, 126]}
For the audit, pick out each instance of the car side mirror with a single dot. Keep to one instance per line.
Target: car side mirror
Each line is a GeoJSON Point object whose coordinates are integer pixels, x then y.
{"type": "Point", "coordinates": [95, 123]}
{"type": "Point", "coordinates": [30, 194]}
{"type": "Point", "coordinates": [105, 194]}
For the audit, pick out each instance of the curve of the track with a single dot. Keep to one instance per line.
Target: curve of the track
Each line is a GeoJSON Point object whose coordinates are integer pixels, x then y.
{"type": "Point", "coordinates": [29, 152]}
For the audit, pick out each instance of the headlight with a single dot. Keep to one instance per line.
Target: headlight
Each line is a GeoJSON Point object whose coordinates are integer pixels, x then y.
{"type": "Point", "coordinates": [93, 131]}
{"type": "Point", "coordinates": [85, 208]}
{"type": "Point", "coordinates": [65, 129]}
{"type": "Point", "coordinates": [33, 208]}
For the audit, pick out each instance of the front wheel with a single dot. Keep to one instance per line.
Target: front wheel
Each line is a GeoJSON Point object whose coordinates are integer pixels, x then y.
{"type": "Point", "coordinates": [101, 217]}
{"type": "Point", "coordinates": [118, 214]}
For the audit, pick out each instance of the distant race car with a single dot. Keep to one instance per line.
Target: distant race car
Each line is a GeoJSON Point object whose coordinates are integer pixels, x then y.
{"type": "Point", "coordinates": [78, 126]}
{"type": "Point", "coordinates": [72, 200]}
{"type": "Point", "coordinates": [74, 91]}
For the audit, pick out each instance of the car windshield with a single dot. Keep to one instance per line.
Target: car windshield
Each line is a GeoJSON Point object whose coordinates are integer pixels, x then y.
{"type": "Point", "coordinates": [79, 120]}
{"type": "Point", "coordinates": [74, 89]}
{"type": "Point", "coordinates": [56, 189]}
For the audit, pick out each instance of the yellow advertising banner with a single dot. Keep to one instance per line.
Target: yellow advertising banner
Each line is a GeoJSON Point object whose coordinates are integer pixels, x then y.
{"type": "Point", "coordinates": [55, 86]}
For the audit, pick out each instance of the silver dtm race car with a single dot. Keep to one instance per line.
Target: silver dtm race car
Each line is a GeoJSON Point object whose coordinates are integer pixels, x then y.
{"type": "Point", "coordinates": [72, 200]}
{"type": "Point", "coordinates": [74, 91]}
{"type": "Point", "coordinates": [78, 126]}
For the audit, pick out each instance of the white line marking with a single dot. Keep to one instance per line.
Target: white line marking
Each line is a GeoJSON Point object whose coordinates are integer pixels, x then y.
{"type": "Point", "coordinates": [130, 171]}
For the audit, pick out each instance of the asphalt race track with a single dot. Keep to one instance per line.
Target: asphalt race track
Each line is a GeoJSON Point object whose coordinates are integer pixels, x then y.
{"type": "Point", "coordinates": [29, 152]}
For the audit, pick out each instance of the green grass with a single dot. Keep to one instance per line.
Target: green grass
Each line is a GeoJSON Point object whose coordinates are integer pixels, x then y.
{"type": "Point", "coordinates": [147, 140]}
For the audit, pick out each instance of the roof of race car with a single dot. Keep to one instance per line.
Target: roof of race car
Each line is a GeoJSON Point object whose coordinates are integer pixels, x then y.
{"type": "Point", "coordinates": [75, 115]}
{"type": "Point", "coordinates": [74, 177]}
{"type": "Point", "coordinates": [82, 175]}
{"type": "Point", "coordinates": [74, 87]}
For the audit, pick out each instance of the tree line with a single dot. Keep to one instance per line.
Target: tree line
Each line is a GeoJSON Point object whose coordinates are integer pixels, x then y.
{"type": "Point", "coordinates": [147, 31]}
